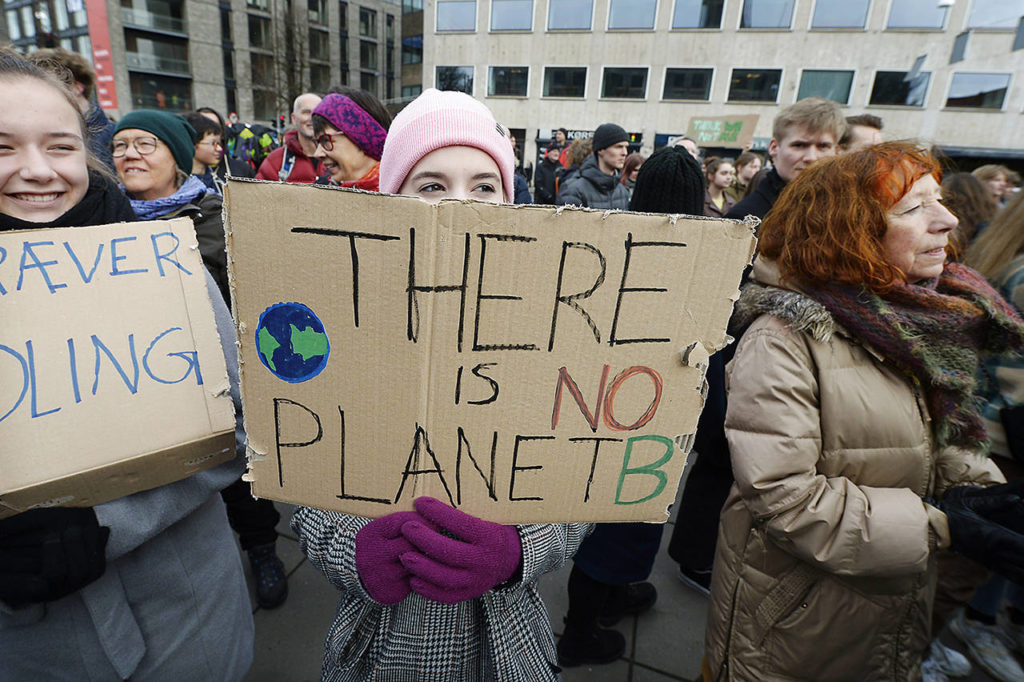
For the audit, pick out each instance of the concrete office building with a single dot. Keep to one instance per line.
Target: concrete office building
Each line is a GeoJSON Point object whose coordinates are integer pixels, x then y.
{"type": "Point", "coordinates": [651, 65]}
{"type": "Point", "coordinates": [247, 56]}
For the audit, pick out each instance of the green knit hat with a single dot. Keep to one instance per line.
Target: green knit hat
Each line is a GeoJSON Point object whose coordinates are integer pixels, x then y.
{"type": "Point", "coordinates": [174, 131]}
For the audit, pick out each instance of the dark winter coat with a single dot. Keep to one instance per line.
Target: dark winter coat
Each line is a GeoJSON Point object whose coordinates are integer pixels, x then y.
{"type": "Point", "coordinates": [595, 189]}
{"type": "Point", "coordinates": [760, 201]}
{"type": "Point", "coordinates": [544, 182]}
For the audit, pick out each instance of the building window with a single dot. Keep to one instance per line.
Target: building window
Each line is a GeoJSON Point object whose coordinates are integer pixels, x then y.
{"type": "Point", "coordinates": [458, 78]}
{"type": "Point", "coordinates": [565, 81]}
{"type": "Point", "coordinates": [225, 25]}
{"type": "Point", "coordinates": [317, 11]}
{"type": "Point", "coordinates": [262, 67]}
{"type": "Point", "coordinates": [319, 45]}
{"type": "Point", "coordinates": [917, 14]}
{"type": "Point", "coordinates": [833, 85]}
{"type": "Point", "coordinates": [412, 50]}
{"type": "Point", "coordinates": [13, 25]}
{"type": "Point", "coordinates": [632, 14]}
{"type": "Point", "coordinates": [511, 15]}
{"type": "Point", "coordinates": [263, 105]}
{"type": "Point", "coordinates": [368, 82]}
{"type": "Point", "coordinates": [697, 14]}
{"type": "Point", "coordinates": [840, 13]}
{"type": "Point", "coordinates": [893, 89]}
{"type": "Point", "coordinates": [389, 28]}
{"type": "Point", "coordinates": [168, 55]}
{"type": "Point", "coordinates": [767, 14]}
{"type": "Point", "coordinates": [367, 22]}
{"type": "Point", "coordinates": [978, 90]}
{"type": "Point", "coordinates": [456, 15]}
{"type": "Point", "coordinates": [995, 13]}
{"type": "Point", "coordinates": [344, 52]}
{"type": "Point", "coordinates": [260, 32]}
{"type": "Point", "coordinates": [624, 82]}
{"type": "Point", "coordinates": [410, 6]}
{"type": "Point", "coordinates": [507, 81]}
{"type": "Point", "coordinates": [228, 59]}
{"type": "Point", "coordinates": [320, 77]}
{"type": "Point", "coordinates": [367, 54]}
{"type": "Point", "coordinates": [409, 91]}
{"type": "Point", "coordinates": [570, 15]}
{"type": "Point", "coordinates": [687, 84]}
{"type": "Point", "coordinates": [344, 75]}
{"type": "Point", "coordinates": [343, 17]}
{"type": "Point", "coordinates": [160, 92]}
{"type": "Point", "coordinates": [258, 4]}
{"type": "Point", "coordinates": [755, 85]}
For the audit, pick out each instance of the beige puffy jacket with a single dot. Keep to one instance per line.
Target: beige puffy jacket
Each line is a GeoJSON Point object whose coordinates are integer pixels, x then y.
{"type": "Point", "coordinates": [825, 566]}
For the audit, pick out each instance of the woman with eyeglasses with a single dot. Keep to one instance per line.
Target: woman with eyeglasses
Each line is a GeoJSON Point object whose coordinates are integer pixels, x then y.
{"type": "Point", "coordinates": [209, 147]}
{"type": "Point", "coordinates": [350, 139]}
{"type": "Point", "coordinates": [148, 586]}
{"type": "Point", "coordinates": [153, 154]}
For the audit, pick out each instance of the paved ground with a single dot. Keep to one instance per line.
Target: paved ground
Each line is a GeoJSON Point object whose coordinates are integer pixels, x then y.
{"type": "Point", "coordinates": [662, 645]}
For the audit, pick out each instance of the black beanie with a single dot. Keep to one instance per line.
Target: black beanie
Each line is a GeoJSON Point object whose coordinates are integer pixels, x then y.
{"type": "Point", "coordinates": [671, 181]}
{"type": "Point", "coordinates": [608, 134]}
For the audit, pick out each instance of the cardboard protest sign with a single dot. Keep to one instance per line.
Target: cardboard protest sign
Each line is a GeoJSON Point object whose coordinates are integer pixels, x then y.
{"type": "Point", "coordinates": [723, 131]}
{"type": "Point", "coordinates": [521, 363]}
{"type": "Point", "coordinates": [112, 377]}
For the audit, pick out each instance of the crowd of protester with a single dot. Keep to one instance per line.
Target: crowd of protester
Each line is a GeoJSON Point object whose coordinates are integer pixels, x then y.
{"type": "Point", "coordinates": [851, 461]}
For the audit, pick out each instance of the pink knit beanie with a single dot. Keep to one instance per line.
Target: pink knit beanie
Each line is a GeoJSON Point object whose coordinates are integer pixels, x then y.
{"type": "Point", "coordinates": [438, 119]}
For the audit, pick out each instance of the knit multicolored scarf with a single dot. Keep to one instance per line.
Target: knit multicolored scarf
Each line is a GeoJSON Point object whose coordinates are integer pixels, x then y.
{"type": "Point", "coordinates": [937, 334]}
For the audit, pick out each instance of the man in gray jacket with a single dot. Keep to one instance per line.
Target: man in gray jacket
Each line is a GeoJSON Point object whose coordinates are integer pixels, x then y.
{"type": "Point", "coordinates": [597, 185]}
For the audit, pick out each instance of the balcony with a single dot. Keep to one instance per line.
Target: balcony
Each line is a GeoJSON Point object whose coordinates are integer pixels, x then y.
{"type": "Point", "coordinates": [140, 18]}
{"type": "Point", "coordinates": [137, 61]}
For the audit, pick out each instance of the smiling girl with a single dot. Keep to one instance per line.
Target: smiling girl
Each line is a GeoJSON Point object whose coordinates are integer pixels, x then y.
{"type": "Point", "coordinates": [148, 586]}
{"type": "Point", "coordinates": [437, 594]}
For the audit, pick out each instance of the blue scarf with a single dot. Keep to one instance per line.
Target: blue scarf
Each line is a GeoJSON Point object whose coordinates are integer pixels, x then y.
{"type": "Point", "coordinates": [190, 190]}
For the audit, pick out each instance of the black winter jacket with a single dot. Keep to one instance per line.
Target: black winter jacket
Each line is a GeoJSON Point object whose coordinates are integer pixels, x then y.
{"type": "Point", "coordinates": [761, 200]}
{"type": "Point", "coordinates": [593, 188]}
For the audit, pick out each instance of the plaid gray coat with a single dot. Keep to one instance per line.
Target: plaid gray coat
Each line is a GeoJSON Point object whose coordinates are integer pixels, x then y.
{"type": "Point", "coordinates": [503, 635]}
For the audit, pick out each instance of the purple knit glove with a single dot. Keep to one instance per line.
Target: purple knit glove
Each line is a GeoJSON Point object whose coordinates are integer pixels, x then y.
{"type": "Point", "coordinates": [379, 544]}
{"type": "Point", "coordinates": [449, 570]}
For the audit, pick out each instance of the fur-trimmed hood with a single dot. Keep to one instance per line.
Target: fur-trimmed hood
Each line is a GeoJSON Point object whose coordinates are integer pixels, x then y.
{"type": "Point", "coordinates": [764, 295]}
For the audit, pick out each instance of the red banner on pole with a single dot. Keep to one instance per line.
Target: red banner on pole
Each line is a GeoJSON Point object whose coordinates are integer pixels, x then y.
{"type": "Point", "coordinates": [102, 61]}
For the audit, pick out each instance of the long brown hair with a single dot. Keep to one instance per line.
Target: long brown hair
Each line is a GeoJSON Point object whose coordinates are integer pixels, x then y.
{"type": "Point", "coordinates": [1000, 242]}
{"type": "Point", "coordinates": [829, 223]}
{"type": "Point", "coordinates": [969, 200]}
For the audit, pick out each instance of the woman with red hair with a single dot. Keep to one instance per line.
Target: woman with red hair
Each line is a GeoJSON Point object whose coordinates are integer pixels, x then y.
{"type": "Point", "coordinates": [856, 444]}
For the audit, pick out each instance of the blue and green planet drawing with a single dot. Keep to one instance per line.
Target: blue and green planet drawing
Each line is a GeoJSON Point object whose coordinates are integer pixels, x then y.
{"type": "Point", "coordinates": [291, 342]}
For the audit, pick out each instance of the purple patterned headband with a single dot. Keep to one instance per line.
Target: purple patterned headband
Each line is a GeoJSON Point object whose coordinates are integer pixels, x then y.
{"type": "Point", "coordinates": [358, 126]}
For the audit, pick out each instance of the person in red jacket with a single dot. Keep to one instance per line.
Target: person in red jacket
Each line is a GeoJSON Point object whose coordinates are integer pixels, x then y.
{"type": "Point", "coordinates": [294, 161]}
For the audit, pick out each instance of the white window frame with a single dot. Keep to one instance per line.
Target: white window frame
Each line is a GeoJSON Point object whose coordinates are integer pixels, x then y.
{"type": "Point", "coordinates": [672, 20]}
{"type": "Point", "coordinates": [995, 72]}
{"type": "Point", "coordinates": [800, 79]}
{"type": "Point", "coordinates": [778, 95]}
{"type": "Point", "coordinates": [862, 29]}
{"type": "Point", "coordinates": [457, 66]}
{"type": "Point", "coordinates": [590, 29]}
{"type": "Point", "coordinates": [490, 13]}
{"type": "Point", "coordinates": [476, 20]}
{"type": "Point", "coordinates": [647, 83]}
{"type": "Point", "coordinates": [912, 29]}
{"type": "Point", "coordinates": [608, 21]}
{"type": "Point", "coordinates": [664, 79]}
{"type": "Point", "coordinates": [927, 90]}
{"type": "Point", "coordinates": [529, 81]}
{"type": "Point", "coordinates": [739, 19]}
{"type": "Point", "coordinates": [586, 81]}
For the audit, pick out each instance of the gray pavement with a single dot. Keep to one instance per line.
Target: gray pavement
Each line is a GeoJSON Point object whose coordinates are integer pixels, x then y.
{"type": "Point", "coordinates": [663, 644]}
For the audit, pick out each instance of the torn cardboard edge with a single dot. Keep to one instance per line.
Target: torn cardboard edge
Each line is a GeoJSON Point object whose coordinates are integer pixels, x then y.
{"type": "Point", "coordinates": [286, 206]}
{"type": "Point", "coordinates": [113, 481]}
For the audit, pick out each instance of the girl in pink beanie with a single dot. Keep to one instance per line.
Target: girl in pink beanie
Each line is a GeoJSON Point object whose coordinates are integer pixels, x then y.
{"type": "Point", "coordinates": [453, 132]}
{"type": "Point", "coordinates": [436, 594]}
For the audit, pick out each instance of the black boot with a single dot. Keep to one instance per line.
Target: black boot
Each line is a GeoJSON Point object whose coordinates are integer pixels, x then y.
{"type": "Point", "coordinates": [627, 600]}
{"type": "Point", "coordinates": [268, 572]}
{"type": "Point", "coordinates": [584, 641]}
